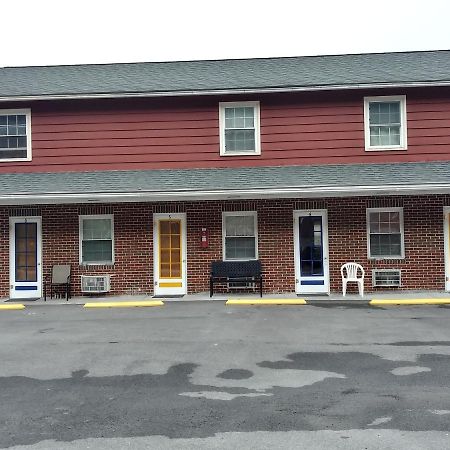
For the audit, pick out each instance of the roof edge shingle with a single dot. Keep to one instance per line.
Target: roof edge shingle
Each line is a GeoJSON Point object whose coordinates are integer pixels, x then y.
{"type": "Point", "coordinates": [229, 75]}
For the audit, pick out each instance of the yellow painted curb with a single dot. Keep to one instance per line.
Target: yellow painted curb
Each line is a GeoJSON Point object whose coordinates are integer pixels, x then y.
{"type": "Point", "coordinates": [123, 304]}
{"type": "Point", "coordinates": [13, 306]}
{"type": "Point", "coordinates": [411, 301]}
{"type": "Point", "coordinates": [267, 301]}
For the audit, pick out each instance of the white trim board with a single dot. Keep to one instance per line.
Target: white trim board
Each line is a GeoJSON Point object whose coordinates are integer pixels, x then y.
{"type": "Point", "coordinates": [232, 194]}
{"type": "Point", "coordinates": [334, 87]}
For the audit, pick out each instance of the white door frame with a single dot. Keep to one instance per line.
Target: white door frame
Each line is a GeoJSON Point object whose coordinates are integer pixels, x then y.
{"type": "Point", "coordinates": [31, 292]}
{"type": "Point", "coordinates": [166, 289]}
{"type": "Point", "coordinates": [311, 289]}
{"type": "Point", "coordinates": [446, 247]}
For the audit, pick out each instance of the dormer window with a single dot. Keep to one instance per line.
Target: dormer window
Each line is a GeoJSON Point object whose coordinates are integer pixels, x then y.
{"type": "Point", "coordinates": [15, 135]}
{"type": "Point", "coordinates": [239, 128]}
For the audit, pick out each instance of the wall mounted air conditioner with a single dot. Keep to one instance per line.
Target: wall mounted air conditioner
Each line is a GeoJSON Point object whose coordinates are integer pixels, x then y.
{"type": "Point", "coordinates": [386, 278]}
{"type": "Point", "coordinates": [95, 284]}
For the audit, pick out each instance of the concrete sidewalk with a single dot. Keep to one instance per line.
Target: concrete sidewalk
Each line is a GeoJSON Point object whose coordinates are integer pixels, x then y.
{"type": "Point", "coordinates": [332, 299]}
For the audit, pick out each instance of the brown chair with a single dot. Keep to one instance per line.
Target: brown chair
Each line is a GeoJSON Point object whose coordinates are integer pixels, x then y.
{"type": "Point", "coordinates": [60, 277]}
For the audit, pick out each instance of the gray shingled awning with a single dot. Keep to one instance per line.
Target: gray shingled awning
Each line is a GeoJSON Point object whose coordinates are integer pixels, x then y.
{"type": "Point", "coordinates": [188, 77]}
{"type": "Point", "coordinates": [203, 184]}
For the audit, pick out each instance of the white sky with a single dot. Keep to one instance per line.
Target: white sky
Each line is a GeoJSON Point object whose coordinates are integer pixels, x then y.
{"type": "Point", "coordinates": [42, 32]}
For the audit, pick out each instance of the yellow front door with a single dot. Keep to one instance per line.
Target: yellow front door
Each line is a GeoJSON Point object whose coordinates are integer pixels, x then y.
{"type": "Point", "coordinates": [170, 257]}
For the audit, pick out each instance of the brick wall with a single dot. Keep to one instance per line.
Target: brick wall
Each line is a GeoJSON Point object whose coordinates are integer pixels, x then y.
{"type": "Point", "coordinates": [422, 268]}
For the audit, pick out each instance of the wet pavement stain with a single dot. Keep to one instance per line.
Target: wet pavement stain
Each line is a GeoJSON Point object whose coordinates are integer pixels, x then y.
{"type": "Point", "coordinates": [236, 374]}
{"type": "Point", "coordinates": [419, 343]}
{"type": "Point", "coordinates": [82, 406]}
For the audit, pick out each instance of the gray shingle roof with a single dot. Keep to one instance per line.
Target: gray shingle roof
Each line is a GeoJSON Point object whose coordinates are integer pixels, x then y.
{"type": "Point", "coordinates": [197, 181]}
{"type": "Point", "coordinates": [214, 76]}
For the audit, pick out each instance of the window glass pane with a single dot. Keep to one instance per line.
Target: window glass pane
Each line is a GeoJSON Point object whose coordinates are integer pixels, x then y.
{"type": "Point", "coordinates": [385, 245]}
{"type": "Point", "coordinates": [176, 270]}
{"type": "Point", "coordinates": [165, 271]}
{"type": "Point", "coordinates": [239, 117]}
{"type": "Point", "coordinates": [374, 140]}
{"type": "Point", "coordinates": [394, 138]}
{"type": "Point", "coordinates": [384, 113]}
{"type": "Point", "coordinates": [240, 140]}
{"type": "Point", "coordinates": [384, 222]}
{"type": "Point", "coordinates": [97, 251]}
{"type": "Point", "coordinates": [385, 135]}
{"type": "Point", "coordinates": [164, 226]}
{"type": "Point", "coordinates": [311, 257]}
{"type": "Point", "coordinates": [240, 248]}
{"type": "Point", "coordinates": [164, 256]}
{"type": "Point", "coordinates": [22, 142]}
{"type": "Point", "coordinates": [239, 226]}
{"type": "Point", "coordinates": [229, 113]}
{"type": "Point", "coordinates": [96, 229]}
{"type": "Point", "coordinates": [239, 122]}
{"type": "Point", "coordinates": [374, 219]}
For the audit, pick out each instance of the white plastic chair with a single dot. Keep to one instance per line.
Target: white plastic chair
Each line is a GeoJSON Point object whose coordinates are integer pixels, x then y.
{"type": "Point", "coordinates": [349, 272]}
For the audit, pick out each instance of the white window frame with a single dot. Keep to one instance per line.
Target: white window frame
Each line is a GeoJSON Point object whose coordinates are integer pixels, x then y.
{"type": "Point", "coordinates": [403, 123]}
{"type": "Point", "coordinates": [256, 108]}
{"type": "Point", "coordinates": [80, 232]}
{"type": "Point", "coordinates": [27, 113]}
{"type": "Point", "coordinates": [402, 232]}
{"type": "Point", "coordinates": [253, 214]}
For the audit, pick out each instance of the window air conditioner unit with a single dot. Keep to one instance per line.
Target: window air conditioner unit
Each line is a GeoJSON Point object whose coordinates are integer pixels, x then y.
{"type": "Point", "coordinates": [386, 278]}
{"type": "Point", "coordinates": [96, 284]}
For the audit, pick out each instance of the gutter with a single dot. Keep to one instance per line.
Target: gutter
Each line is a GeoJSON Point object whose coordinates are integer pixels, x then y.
{"type": "Point", "coordinates": [230, 194]}
{"type": "Point", "coordinates": [269, 90]}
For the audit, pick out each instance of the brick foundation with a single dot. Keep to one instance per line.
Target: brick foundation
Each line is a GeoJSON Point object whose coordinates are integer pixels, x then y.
{"type": "Point", "coordinates": [422, 268]}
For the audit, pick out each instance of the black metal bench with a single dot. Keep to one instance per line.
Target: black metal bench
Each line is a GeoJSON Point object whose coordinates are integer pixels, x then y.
{"type": "Point", "coordinates": [229, 271]}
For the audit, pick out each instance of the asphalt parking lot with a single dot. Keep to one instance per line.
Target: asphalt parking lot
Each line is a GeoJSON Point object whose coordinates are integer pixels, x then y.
{"type": "Point", "coordinates": [203, 375]}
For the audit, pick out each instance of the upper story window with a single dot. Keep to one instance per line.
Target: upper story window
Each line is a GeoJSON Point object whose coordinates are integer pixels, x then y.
{"type": "Point", "coordinates": [385, 233]}
{"type": "Point", "coordinates": [240, 235]}
{"type": "Point", "coordinates": [15, 135]}
{"type": "Point", "coordinates": [385, 125]}
{"type": "Point", "coordinates": [239, 128]}
{"type": "Point", "coordinates": [97, 239]}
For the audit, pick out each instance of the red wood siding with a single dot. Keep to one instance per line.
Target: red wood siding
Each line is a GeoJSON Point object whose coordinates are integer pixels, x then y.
{"type": "Point", "coordinates": [321, 128]}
